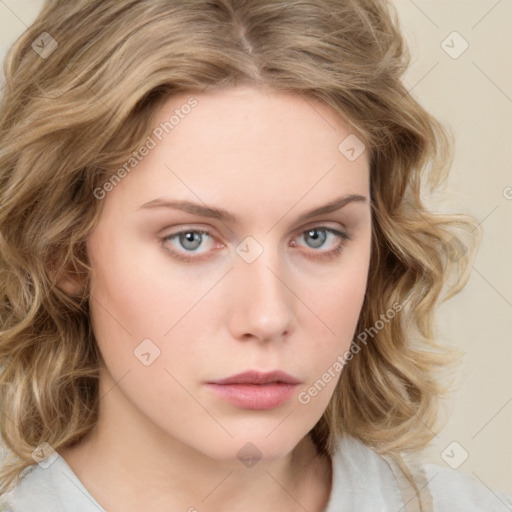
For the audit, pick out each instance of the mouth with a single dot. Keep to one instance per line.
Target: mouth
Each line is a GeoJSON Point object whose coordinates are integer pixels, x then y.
{"type": "Point", "coordinates": [256, 377]}
{"type": "Point", "coordinates": [256, 390]}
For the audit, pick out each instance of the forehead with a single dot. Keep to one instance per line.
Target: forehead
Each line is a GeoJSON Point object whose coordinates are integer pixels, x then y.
{"type": "Point", "coordinates": [247, 147]}
{"type": "Point", "coordinates": [257, 121]}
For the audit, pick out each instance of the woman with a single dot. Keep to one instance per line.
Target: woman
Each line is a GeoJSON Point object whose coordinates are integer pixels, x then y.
{"type": "Point", "coordinates": [218, 276]}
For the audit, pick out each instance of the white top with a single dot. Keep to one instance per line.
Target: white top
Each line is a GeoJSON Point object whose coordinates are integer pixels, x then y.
{"type": "Point", "coordinates": [363, 481]}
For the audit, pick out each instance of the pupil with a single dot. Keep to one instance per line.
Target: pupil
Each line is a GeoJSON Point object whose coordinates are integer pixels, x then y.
{"type": "Point", "coordinates": [318, 238]}
{"type": "Point", "coordinates": [192, 240]}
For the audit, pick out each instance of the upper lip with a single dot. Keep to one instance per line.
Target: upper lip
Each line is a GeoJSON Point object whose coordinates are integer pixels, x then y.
{"type": "Point", "coordinates": [256, 377]}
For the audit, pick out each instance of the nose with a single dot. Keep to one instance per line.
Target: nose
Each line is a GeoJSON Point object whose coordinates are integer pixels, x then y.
{"type": "Point", "coordinates": [261, 300]}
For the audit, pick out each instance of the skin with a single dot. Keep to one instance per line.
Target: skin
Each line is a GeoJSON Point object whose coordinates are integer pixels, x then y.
{"type": "Point", "coordinates": [162, 437]}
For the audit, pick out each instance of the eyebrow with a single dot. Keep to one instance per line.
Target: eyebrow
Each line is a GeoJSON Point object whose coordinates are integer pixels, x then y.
{"type": "Point", "coordinates": [228, 217]}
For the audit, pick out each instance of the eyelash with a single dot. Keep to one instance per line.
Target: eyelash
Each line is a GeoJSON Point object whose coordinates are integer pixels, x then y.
{"type": "Point", "coordinates": [324, 255]}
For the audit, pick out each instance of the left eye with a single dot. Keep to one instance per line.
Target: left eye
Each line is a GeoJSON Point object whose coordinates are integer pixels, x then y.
{"type": "Point", "coordinates": [320, 234]}
{"type": "Point", "coordinates": [191, 240]}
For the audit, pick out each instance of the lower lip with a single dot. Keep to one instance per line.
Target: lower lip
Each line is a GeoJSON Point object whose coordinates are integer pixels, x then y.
{"type": "Point", "coordinates": [255, 396]}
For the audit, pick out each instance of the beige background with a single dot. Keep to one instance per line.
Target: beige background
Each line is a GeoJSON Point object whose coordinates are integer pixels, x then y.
{"type": "Point", "coordinates": [473, 95]}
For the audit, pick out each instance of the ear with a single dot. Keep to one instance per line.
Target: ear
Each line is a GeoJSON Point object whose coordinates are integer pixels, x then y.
{"type": "Point", "coordinates": [70, 281]}
{"type": "Point", "coordinates": [70, 285]}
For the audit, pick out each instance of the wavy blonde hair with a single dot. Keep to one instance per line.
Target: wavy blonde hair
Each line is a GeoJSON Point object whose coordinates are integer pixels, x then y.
{"type": "Point", "coordinates": [70, 119]}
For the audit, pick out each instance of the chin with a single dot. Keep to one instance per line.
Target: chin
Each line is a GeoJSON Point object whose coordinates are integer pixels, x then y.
{"type": "Point", "coordinates": [249, 449]}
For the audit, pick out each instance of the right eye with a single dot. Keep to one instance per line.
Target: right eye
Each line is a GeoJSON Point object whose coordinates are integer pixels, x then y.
{"type": "Point", "coordinates": [187, 242]}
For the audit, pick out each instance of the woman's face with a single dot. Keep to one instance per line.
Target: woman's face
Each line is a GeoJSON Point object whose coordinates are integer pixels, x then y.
{"type": "Point", "coordinates": [254, 285]}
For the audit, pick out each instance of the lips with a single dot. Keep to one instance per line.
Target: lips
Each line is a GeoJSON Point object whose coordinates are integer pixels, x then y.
{"type": "Point", "coordinates": [256, 377]}
{"type": "Point", "coordinates": [255, 390]}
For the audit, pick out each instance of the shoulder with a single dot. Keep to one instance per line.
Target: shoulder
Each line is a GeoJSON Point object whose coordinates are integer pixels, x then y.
{"type": "Point", "coordinates": [365, 480]}
{"type": "Point", "coordinates": [47, 489]}
{"type": "Point", "coordinates": [454, 491]}
{"type": "Point", "coordinates": [361, 480]}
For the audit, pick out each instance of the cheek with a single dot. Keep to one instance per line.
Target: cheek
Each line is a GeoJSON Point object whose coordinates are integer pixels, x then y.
{"type": "Point", "coordinates": [132, 308]}
{"type": "Point", "coordinates": [336, 299]}
{"type": "Point", "coordinates": [128, 303]}
{"type": "Point", "coordinates": [343, 302]}
{"type": "Point", "coordinates": [339, 307]}
{"type": "Point", "coordinates": [137, 295]}
{"type": "Point", "coordinates": [134, 285]}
